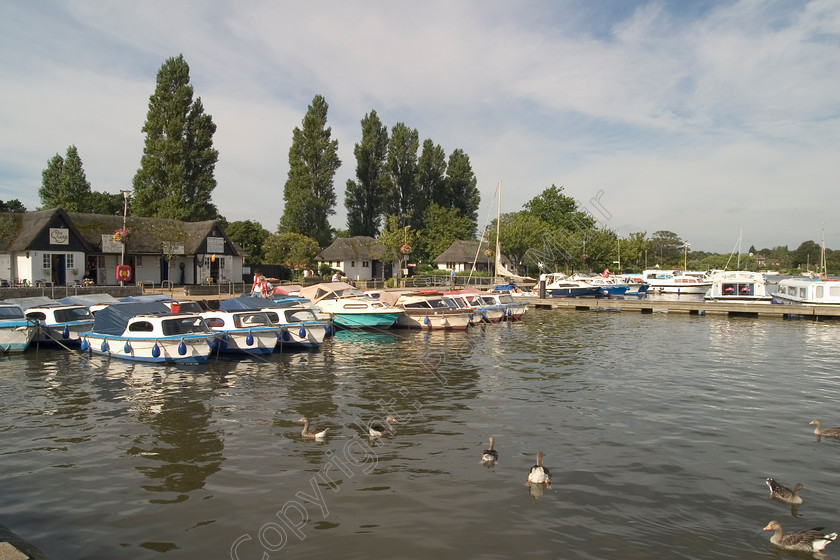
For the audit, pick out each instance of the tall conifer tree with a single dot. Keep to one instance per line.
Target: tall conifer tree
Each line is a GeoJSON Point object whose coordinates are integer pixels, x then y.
{"type": "Point", "coordinates": [313, 160]}
{"type": "Point", "coordinates": [176, 176]}
{"type": "Point", "coordinates": [462, 186]}
{"type": "Point", "coordinates": [64, 184]}
{"type": "Point", "coordinates": [402, 174]}
{"type": "Point", "coordinates": [431, 180]}
{"type": "Point", "coordinates": [364, 198]}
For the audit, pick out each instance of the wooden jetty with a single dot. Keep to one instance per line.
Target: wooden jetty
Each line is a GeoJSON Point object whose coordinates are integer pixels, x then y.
{"type": "Point", "coordinates": [732, 309]}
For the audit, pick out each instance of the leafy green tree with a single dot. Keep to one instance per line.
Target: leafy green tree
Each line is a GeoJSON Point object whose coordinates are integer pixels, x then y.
{"type": "Point", "coordinates": [392, 238]}
{"type": "Point", "coordinates": [431, 179]}
{"type": "Point", "coordinates": [13, 205]}
{"type": "Point", "coordinates": [64, 183]}
{"type": "Point", "coordinates": [559, 211]}
{"type": "Point", "coordinates": [176, 176]}
{"type": "Point", "coordinates": [520, 232]}
{"type": "Point", "coordinates": [251, 237]}
{"type": "Point", "coordinates": [365, 197]}
{"type": "Point", "coordinates": [313, 160]}
{"type": "Point", "coordinates": [106, 203]}
{"type": "Point", "coordinates": [462, 186]}
{"type": "Point", "coordinates": [807, 255]}
{"type": "Point", "coordinates": [634, 249]}
{"type": "Point", "coordinates": [666, 248]}
{"type": "Point", "coordinates": [442, 227]}
{"type": "Point", "coordinates": [401, 178]}
{"type": "Point", "coordinates": [292, 249]}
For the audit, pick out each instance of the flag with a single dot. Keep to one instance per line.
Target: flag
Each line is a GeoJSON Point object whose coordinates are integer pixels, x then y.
{"type": "Point", "coordinates": [687, 245]}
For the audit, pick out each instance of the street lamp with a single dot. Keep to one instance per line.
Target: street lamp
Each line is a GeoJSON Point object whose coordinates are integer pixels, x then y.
{"type": "Point", "coordinates": [125, 194]}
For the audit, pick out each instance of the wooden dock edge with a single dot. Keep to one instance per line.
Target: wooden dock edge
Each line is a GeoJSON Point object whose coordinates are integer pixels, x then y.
{"type": "Point", "coordinates": [698, 308]}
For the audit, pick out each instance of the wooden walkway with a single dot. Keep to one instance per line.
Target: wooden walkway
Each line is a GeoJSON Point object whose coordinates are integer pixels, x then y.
{"type": "Point", "coordinates": [649, 306]}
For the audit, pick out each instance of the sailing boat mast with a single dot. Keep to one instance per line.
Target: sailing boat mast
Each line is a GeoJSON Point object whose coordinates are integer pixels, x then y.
{"type": "Point", "coordinates": [823, 270]}
{"type": "Point", "coordinates": [498, 262]}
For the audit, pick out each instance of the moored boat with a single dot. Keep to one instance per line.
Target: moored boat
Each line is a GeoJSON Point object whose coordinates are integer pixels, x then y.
{"type": "Point", "coordinates": [738, 285]}
{"type": "Point", "coordinates": [16, 331]}
{"type": "Point", "coordinates": [676, 282]}
{"type": "Point", "coordinates": [428, 309]}
{"type": "Point", "coordinates": [559, 285]}
{"type": "Point", "coordinates": [243, 332]}
{"type": "Point", "coordinates": [512, 309]}
{"type": "Point", "coordinates": [481, 310]}
{"type": "Point", "coordinates": [349, 307]}
{"type": "Point", "coordinates": [807, 291]}
{"type": "Point", "coordinates": [149, 332]}
{"type": "Point", "coordinates": [298, 324]}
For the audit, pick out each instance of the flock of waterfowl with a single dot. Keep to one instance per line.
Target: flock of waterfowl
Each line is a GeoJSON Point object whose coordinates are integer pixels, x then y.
{"type": "Point", "coordinates": [808, 540]}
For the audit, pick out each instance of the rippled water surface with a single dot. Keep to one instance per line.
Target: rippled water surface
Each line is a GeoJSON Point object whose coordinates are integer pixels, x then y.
{"type": "Point", "coordinates": [659, 431]}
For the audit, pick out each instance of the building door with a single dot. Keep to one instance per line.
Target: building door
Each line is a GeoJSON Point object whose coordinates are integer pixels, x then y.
{"type": "Point", "coordinates": [59, 269]}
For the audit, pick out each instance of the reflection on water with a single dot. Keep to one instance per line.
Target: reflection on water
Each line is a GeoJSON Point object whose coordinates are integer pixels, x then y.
{"type": "Point", "coordinates": [659, 431]}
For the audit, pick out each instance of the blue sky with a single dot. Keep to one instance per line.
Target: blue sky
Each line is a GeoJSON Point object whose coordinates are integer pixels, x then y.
{"type": "Point", "coordinates": [703, 118]}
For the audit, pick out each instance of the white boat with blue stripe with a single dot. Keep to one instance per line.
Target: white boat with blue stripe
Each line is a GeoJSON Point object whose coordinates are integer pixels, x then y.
{"type": "Point", "coordinates": [149, 332]}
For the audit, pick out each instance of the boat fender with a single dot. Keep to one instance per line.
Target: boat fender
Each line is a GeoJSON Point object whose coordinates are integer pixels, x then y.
{"type": "Point", "coordinates": [65, 333]}
{"type": "Point", "coordinates": [182, 348]}
{"type": "Point", "coordinates": [84, 346]}
{"type": "Point", "coordinates": [156, 351]}
{"type": "Point", "coordinates": [426, 320]}
{"type": "Point", "coordinates": [104, 346]}
{"type": "Point", "coordinates": [127, 348]}
{"type": "Point", "coordinates": [302, 332]}
{"type": "Point", "coordinates": [286, 336]}
{"type": "Point", "coordinates": [249, 340]}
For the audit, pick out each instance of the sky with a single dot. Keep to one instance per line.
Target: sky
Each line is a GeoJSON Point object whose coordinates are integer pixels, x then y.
{"type": "Point", "coordinates": [716, 120]}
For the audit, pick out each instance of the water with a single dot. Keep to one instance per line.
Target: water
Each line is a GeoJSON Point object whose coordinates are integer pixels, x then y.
{"type": "Point", "coordinates": [659, 431]}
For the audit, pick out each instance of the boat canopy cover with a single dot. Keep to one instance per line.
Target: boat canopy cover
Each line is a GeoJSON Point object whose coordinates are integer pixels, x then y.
{"type": "Point", "coordinates": [146, 298]}
{"type": "Point", "coordinates": [246, 303]}
{"type": "Point", "coordinates": [9, 311]}
{"type": "Point", "coordinates": [114, 318]}
{"type": "Point", "coordinates": [88, 299]}
{"type": "Point", "coordinates": [36, 301]}
{"type": "Point", "coordinates": [319, 291]}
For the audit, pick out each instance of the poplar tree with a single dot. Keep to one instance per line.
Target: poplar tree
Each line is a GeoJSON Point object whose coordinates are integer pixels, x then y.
{"type": "Point", "coordinates": [401, 200]}
{"type": "Point", "coordinates": [176, 176]}
{"type": "Point", "coordinates": [462, 186]}
{"type": "Point", "coordinates": [364, 198]}
{"type": "Point", "coordinates": [313, 160]}
{"type": "Point", "coordinates": [431, 179]}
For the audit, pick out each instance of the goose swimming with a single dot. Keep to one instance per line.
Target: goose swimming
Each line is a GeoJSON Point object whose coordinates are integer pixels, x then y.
{"type": "Point", "coordinates": [783, 493]}
{"type": "Point", "coordinates": [490, 455]}
{"type": "Point", "coordinates": [539, 474]}
{"type": "Point", "coordinates": [809, 540]}
{"type": "Point", "coordinates": [379, 430]}
{"type": "Point", "coordinates": [308, 434]}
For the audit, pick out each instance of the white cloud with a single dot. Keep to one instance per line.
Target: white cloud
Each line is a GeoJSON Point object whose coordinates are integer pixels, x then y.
{"type": "Point", "coordinates": [638, 99]}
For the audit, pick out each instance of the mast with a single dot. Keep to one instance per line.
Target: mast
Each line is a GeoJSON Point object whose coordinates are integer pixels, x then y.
{"type": "Point", "coordinates": [498, 227]}
{"type": "Point", "coordinates": [822, 256]}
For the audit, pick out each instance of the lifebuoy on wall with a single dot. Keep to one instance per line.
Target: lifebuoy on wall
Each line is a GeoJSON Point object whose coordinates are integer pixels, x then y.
{"type": "Point", "coordinates": [123, 273]}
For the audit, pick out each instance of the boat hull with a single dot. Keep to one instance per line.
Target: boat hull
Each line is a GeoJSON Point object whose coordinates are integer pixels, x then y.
{"type": "Point", "coordinates": [16, 336]}
{"type": "Point", "coordinates": [258, 341]}
{"type": "Point", "coordinates": [303, 335]}
{"type": "Point", "coordinates": [365, 320]}
{"type": "Point", "coordinates": [67, 333]}
{"type": "Point", "coordinates": [435, 321]}
{"type": "Point", "coordinates": [577, 291]}
{"type": "Point", "coordinates": [195, 349]}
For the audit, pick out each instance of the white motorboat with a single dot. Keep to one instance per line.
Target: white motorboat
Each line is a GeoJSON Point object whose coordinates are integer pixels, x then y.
{"type": "Point", "coordinates": [428, 309]}
{"type": "Point", "coordinates": [807, 291]}
{"type": "Point", "coordinates": [16, 331]}
{"type": "Point", "coordinates": [676, 282]}
{"type": "Point", "coordinates": [738, 285]}
{"type": "Point", "coordinates": [349, 307]}
{"type": "Point", "coordinates": [149, 332]}
{"type": "Point", "coordinates": [243, 332]}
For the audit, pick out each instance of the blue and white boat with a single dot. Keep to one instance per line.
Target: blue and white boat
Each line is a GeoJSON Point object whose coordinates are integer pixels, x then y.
{"type": "Point", "coordinates": [243, 332]}
{"type": "Point", "coordinates": [298, 325]}
{"type": "Point", "coordinates": [16, 331]}
{"type": "Point", "coordinates": [149, 332]}
{"type": "Point", "coordinates": [558, 284]}
{"type": "Point", "coordinates": [58, 323]}
{"type": "Point", "coordinates": [349, 307]}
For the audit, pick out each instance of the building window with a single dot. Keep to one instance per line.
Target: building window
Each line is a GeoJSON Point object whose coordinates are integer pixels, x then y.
{"type": "Point", "coordinates": [365, 264]}
{"type": "Point", "coordinates": [138, 261]}
{"type": "Point", "coordinates": [70, 261]}
{"type": "Point", "coordinates": [47, 261]}
{"type": "Point", "coordinates": [352, 264]}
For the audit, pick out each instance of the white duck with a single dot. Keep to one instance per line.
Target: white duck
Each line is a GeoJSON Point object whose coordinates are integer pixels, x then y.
{"type": "Point", "coordinates": [809, 540]}
{"type": "Point", "coordinates": [783, 493]}
{"type": "Point", "coordinates": [307, 434]}
{"type": "Point", "coordinates": [490, 455]}
{"type": "Point", "coordinates": [539, 474]}
{"type": "Point", "coordinates": [378, 430]}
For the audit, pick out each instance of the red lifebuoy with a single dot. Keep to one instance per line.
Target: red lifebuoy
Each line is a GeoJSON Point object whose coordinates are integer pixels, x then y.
{"type": "Point", "coordinates": [123, 273]}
